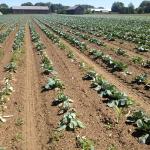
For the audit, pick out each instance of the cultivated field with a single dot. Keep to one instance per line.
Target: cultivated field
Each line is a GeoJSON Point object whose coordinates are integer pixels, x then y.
{"type": "Point", "coordinates": [75, 82]}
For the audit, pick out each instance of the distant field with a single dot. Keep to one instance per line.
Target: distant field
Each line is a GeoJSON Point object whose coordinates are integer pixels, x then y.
{"type": "Point", "coordinates": [70, 82]}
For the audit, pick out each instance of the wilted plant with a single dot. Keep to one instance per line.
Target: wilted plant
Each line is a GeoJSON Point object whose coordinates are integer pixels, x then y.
{"type": "Point", "coordinates": [147, 86]}
{"type": "Point", "coordinates": [143, 48]}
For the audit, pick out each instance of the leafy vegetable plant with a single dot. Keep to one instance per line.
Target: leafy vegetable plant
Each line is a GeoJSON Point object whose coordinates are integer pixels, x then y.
{"type": "Point", "coordinates": [11, 67]}
{"type": "Point", "coordinates": [53, 83]}
{"type": "Point", "coordinates": [84, 143]}
{"type": "Point", "coordinates": [70, 121]}
{"type": "Point", "coordinates": [64, 103]}
{"type": "Point", "coordinates": [90, 75]}
{"type": "Point", "coordinates": [146, 64]}
{"type": "Point", "coordinates": [106, 90]}
{"type": "Point", "coordinates": [140, 79]}
{"type": "Point", "coordinates": [120, 51]}
{"type": "Point", "coordinates": [142, 122]}
{"type": "Point", "coordinates": [137, 60]}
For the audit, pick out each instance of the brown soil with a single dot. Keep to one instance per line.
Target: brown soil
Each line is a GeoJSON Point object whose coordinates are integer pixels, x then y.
{"type": "Point", "coordinates": [91, 110]}
{"type": "Point", "coordinates": [121, 82]}
{"type": "Point", "coordinates": [137, 69]}
{"type": "Point", "coordinates": [30, 97]}
{"type": "Point", "coordinates": [129, 47]}
{"type": "Point", "coordinates": [40, 118]}
{"type": "Point", "coordinates": [6, 48]}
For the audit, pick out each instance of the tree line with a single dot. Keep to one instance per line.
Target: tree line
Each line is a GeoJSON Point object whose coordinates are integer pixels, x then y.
{"type": "Point", "coordinates": [117, 7]}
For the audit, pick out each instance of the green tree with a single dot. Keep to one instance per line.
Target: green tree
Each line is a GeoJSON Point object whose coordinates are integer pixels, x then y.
{"type": "Point", "coordinates": [145, 6]}
{"type": "Point", "coordinates": [131, 8]}
{"type": "Point", "coordinates": [118, 7]}
{"type": "Point", "coordinates": [140, 10]}
{"type": "Point", "coordinates": [3, 6]}
{"type": "Point", "coordinates": [57, 8]}
{"type": "Point", "coordinates": [40, 4]}
{"type": "Point", "coordinates": [27, 4]}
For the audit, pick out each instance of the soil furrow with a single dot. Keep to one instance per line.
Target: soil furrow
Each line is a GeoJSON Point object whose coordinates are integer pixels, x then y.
{"type": "Point", "coordinates": [137, 96]}
{"type": "Point", "coordinates": [7, 47]}
{"type": "Point", "coordinates": [125, 79]}
{"type": "Point", "coordinates": [90, 108]}
{"type": "Point", "coordinates": [31, 96]}
{"type": "Point", "coordinates": [127, 46]}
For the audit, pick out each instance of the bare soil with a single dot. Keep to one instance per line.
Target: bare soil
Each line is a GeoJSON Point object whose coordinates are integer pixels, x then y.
{"type": "Point", "coordinates": [40, 119]}
{"type": "Point", "coordinates": [85, 102]}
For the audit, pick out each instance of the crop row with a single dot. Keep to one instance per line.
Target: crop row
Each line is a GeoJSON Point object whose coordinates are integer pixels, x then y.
{"type": "Point", "coordinates": [99, 55]}
{"type": "Point", "coordinates": [69, 121]}
{"type": "Point", "coordinates": [120, 52]}
{"type": "Point", "coordinates": [114, 98]}
{"type": "Point", "coordinates": [136, 31]}
{"type": "Point", "coordinates": [5, 34]}
{"type": "Point", "coordinates": [7, 87]}
{"type": "Point", "coordinates": [113, 64]}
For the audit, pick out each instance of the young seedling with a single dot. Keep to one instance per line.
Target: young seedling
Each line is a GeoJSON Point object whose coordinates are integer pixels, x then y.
{"type": "Point", "coordinates": [62, 46]}
{"type": "Point", "coordinates": [90, 75]}
{"type": "Point", "coordinates": [18, 137]}
{"type": "Point", "coordinates": [112, 147]}
{"type": "Point", "coordinates": [84, 143]}
{"type": "Point", "coordinates": [19, 122]}
{"type": "Point", "coordinates": [120, 51]}
{"type": "Point", "coordinates": [11, 67]}
{"type": "Point", "coordinates": [137, 60]}
{"type": "Point", "coordinates": [55, 136]}
{"type": "Point", "coordinates": [140, 79]}
{"type": "Point", "coordinates": [71, 55]}
{"type": "Point", "coordinates": [64, 103]}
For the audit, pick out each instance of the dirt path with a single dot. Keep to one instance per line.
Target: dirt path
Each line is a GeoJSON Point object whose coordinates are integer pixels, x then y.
{"type": "Point", "coordinates": [28, 104]}
{"type": "Point", "coordinates": [31, 96]}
